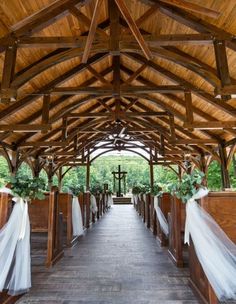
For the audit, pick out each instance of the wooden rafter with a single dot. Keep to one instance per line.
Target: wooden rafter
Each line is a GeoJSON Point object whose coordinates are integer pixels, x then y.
{"type": "Point", "coordinates": [92, 31]}
{"type": "Point", "coordinates": [133, 27]}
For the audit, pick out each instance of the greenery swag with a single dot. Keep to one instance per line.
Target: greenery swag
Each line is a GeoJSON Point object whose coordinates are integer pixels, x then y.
{"type": "Point", "coordinates": [28, 188]}
{"type": "Point", "coordinates": [188, 186]}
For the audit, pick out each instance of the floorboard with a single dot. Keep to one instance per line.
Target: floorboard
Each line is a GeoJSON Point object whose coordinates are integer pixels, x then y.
{"type": "Point", "coordinates": [118, 261]}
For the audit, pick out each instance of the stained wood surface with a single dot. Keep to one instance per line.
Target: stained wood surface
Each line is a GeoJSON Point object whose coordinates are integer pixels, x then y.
{"type": "Point", "coordinates": [165, 206]}
{"type": "Point", "coordinates": [118, 261]}
{"type": "Point", "coordinates": [226, 218]}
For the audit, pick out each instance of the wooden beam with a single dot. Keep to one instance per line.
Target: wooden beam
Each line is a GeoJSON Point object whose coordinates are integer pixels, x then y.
{"type": "Point", "coordinates": [98, 75]}
{"type": "Point", "coordinates": [194, 8]}
{"type": "Point", "coordinates": [136, 74]}
{"type": "Point", "coordinates": [226, 90]}
{"type": "Point", "coordinates": [133, 27]}
{"type": "Point", "coordinates": [92, 31]}
{"type": "Point", "coordinates": [43, 18]}
{"type": "Point", "coordinates": [195, 141]}
{"type": "Point", "coordinates": [124, 89]}
{"type": "Point", "coordinates": [8, 73]}
{"type": "Point", "coordinates": [25, 127]}
{"type": "Point", "coordinates": [188, 86]}
{"type": "Point", "coordinates": [172, 128]}
{"type": "Point", "coordinates": [43, 144]}
{"type": "Point", "coordinates": [45, 111]}
{"type": "Point", "coordinates": [20, 104]}
{"type": "Point", "coordinates": [151, 40]}
{"type": "Point", "coordinates": [86, 21]}
{"type": "Point", "coordinates": [144, 17]}
{"type": "Point", "coordinates": [121, 114]}
{"type": "Point", "coordinates": [205, 125]}
{"type": "Point", "coordinates": [189, 108]}
{"type": "Point", "coordinates": [222, 65]}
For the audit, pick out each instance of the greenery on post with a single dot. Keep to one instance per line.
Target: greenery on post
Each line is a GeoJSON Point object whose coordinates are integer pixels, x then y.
{"type": "Point", "coordinates": [27, 188]}
{"type": "Point", "coordinates": [188, 186]}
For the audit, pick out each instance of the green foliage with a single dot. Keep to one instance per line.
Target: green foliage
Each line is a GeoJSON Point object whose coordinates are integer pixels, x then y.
{"type": "Point", "coordinates": [96, 189]}
{"type": "Point", "coordinates": [214, 176]}
{"type": "Point", "coordinates": [27, 188]}
{"type": "Point", "coordinates": [157, 190]}
{"type": "Point", "coordinates": [24, 170]}
{"type": "Point", "coordinates": [188, 185]}
{"type": "Point", "coordinates": [136, 190]}
{"type": "Point", "coordinates": [76, 189]}
{"type": "Point", "coordinates": [4, 171]}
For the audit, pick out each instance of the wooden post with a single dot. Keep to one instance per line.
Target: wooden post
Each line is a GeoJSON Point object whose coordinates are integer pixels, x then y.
{"type": "Point", "coordinates": [151, 171]}
{"type": "Point", "coordinates": [50, 175]}
{"type": "Point", "coordinates": [14, 162]}
{"type": "Point", "coordinates": [224, 169]}
{"type": "Point", "coordinates": [222, 64]}
{"type": "Point", "coordinates": [60, 179]}
{"type": "Point", "coordinates": [88, 174]}
{"type": "Point", "coordinates": [8, 70]}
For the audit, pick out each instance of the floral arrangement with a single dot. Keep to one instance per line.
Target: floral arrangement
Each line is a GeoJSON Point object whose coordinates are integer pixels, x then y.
{"type": "Point", "coordinates": [76, 189]}
{"type": "Point", "coordinates": [27, 188]}
{"type": "Point", "coordinates": [188, 186]}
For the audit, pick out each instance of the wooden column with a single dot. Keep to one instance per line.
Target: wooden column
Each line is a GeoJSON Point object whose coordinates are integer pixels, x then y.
{"type": "Point", "coordinates": [151, 171]}
{"type": "Point", "coordinates": [60, 177]}
{"type": "Point", "coordinates": [224, 170]}
{"type": "Point", "coordinates": [9, 71]}
{"type": "Point", "coordinates": [14, 162]}
{"type": "Point", "coordinates": [222, 64]}
{"type": "Point", "coordinates": [50, 175]}
{"type": "Point", "coordinates": [36, 167]}
{"type": "Point", "coordinates": [88, 174]}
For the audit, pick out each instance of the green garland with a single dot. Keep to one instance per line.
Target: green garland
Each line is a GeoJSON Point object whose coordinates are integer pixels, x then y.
{"type": "Point", "coordinates": [96, 189]}
{"type": "Point", "coordinates": [76, 189]}
{"type": "Point", "coordinates": [156, 190]}
{"type": "Point", "coordinates": [28, 188]}
{"type": "Point", "coordinates": [188, 186]}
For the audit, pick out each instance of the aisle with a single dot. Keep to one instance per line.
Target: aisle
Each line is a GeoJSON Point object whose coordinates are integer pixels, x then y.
{"type": "Point", "coordinates": [120, 262]}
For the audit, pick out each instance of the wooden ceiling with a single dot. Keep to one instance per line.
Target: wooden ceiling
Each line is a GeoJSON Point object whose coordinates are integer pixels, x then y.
{"type": "Point", "coordinates": [75, 73]}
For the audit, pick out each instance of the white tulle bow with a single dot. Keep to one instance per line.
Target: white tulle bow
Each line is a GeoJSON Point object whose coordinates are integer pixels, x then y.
{"type": "Point", "coordinates": [215, 251]}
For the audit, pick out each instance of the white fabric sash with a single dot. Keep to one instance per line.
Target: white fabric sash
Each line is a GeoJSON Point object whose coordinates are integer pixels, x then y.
{"type": "Point", "coordinates": [93, 202]}
{"type": "Point", "coordinates": [15, 262]}
{"type": "Point", "coordinates": [144, 197]}
{"type": "Point", "coordinates": [77, 222]}
{"type": "Point", "coordinates": [110, 200]}
{"type": "Point", "coordinates": [134, 199]}
{"type": "Point", "coordinates": [161, 217]}
{"type": "Point", "coordinates": [215, 251]}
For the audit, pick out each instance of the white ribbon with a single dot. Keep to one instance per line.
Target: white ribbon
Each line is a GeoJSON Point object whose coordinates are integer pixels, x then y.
{"type": "Point", "coordinates": [134, 199]}
{"type": "Point", "coordinates": [161, 217]}
{"type": "Point", "coordinates": [110, 200]}
{"type": "Point", "coordinates": [215, 251]}
{"type": "Point", "coordinates": [15, 264]}
{"type": "Point", "coordinates": [77, 222]}
{"type": "Point", "coordinates": [93, 202]}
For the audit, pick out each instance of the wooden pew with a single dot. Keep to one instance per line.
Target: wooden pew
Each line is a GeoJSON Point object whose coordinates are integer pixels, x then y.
{"type": "Point", "coordinates": [176, 223]}
{"type": "Point", "coordinates": [65, 205]}
{"type": "Point", "coordinates": [5, 211]}
{"type": "Point", "coordinates": [45, 217]}
{"type": "Point", "coordinates": [164, 202]}
{"type": "Point", "coordinates": [222, 207]}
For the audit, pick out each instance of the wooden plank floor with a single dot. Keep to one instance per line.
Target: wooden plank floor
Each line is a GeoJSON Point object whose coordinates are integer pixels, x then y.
{"type": "Point", "coordinates": [118, 261]}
